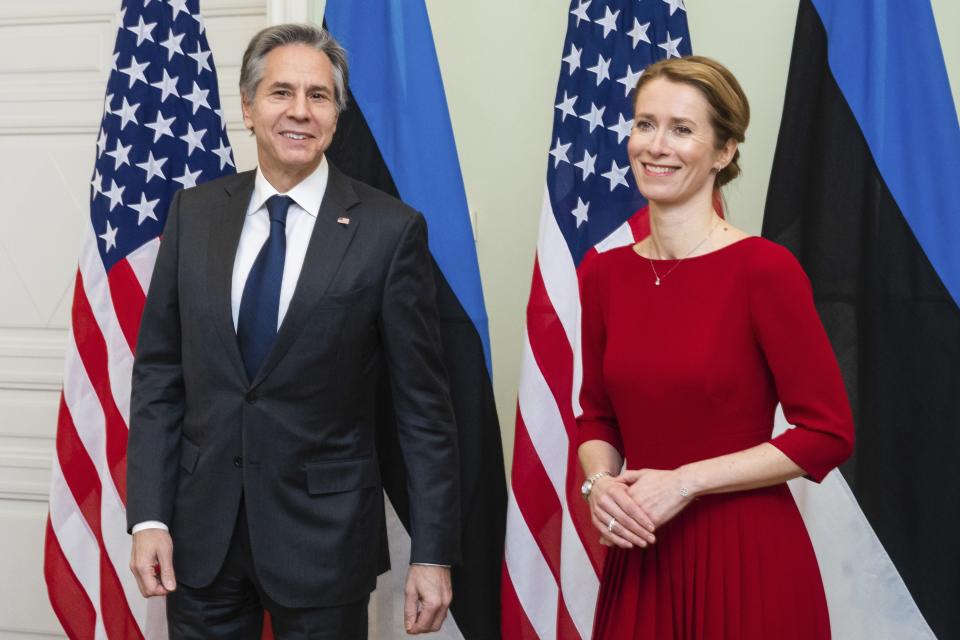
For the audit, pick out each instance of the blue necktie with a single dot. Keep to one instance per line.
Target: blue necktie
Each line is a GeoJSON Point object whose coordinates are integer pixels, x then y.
{"type": "Point", "coordinates": [260, 303]}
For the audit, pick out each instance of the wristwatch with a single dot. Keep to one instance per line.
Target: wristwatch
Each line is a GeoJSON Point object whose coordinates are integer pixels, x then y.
{"type": "Point", "coordinates": [587, 485]}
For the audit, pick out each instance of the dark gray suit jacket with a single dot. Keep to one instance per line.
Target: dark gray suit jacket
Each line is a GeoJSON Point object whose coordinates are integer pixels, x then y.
{"type": "Point", "coordinates": [297, 442]}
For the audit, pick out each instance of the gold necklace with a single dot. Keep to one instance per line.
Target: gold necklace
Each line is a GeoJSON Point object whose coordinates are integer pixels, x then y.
{"type": "Point", "coordinates": [657, 276]}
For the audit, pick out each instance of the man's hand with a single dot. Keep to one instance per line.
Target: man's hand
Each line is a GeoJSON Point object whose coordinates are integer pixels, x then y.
{"type": "Point", "coordinates": [427, 596]}
{"type": "Point", "coordinates": [151, 561]}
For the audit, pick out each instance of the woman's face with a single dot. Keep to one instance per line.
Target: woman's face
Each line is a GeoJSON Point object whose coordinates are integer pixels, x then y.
{"type": "Point", "coordinates": [672, 147]}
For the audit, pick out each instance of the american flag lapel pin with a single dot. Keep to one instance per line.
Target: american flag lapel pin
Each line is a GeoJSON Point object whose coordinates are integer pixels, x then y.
{"type": "Point", "coordinates": [343, 221]}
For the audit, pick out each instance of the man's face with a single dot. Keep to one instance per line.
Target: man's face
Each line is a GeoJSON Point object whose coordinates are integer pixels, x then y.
{"type": "Point", "coordinates": [293, 113]}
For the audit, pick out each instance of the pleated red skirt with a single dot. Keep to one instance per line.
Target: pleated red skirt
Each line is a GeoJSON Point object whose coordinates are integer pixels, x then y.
{"type": "Point", "coordinates": [737, 566]}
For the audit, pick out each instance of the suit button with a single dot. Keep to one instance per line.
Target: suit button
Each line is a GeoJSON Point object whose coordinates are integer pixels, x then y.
{"type": "Point", "coordinates": [251, 398]}
{"type": "Point", "coordinates": [238, 462]}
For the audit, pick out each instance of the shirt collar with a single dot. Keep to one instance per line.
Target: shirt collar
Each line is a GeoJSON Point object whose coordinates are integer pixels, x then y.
{"type": "Point", "coordinates": [307, 194]}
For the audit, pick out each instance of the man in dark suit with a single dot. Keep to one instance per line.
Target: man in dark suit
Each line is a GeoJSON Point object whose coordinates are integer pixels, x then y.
{"type": "Point", "coordinates": [276, 299]}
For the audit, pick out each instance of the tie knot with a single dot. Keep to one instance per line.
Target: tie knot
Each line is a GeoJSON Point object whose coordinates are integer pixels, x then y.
{"type": "Point", "coordinates": [277, 207]}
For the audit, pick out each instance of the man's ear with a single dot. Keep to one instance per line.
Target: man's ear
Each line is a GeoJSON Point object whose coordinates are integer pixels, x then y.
{"type": "Point", "coordinates": [246, 108]}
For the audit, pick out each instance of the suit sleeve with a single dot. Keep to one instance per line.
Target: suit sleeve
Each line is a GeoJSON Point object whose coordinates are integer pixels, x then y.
{"type": "Point", "coordinates": [597, 420]}
{"type": "Point", "coordinates": [157, 391]}
{"type": "Point", "coordinates": [409, 324]}
{"type": "Point", "coordinates": [805, 371]}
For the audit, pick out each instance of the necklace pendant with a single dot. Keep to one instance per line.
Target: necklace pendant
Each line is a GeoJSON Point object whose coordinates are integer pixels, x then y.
{"type": "Point", "coordinates": [657, 283]}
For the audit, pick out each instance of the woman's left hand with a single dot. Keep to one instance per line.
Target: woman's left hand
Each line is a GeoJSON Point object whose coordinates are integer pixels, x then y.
{"type": "Point", "coordinates": [661, 494]}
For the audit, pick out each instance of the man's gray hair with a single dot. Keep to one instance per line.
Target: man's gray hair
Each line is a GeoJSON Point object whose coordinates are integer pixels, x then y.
{"type": "Point", "coordinates": [254, 58]}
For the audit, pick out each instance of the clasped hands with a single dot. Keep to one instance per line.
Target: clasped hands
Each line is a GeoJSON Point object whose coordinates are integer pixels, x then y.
{"type": "Point", "coordinates": [628, 508]}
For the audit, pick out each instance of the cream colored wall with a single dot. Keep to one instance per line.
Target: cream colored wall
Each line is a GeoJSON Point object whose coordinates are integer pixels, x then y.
{"type": "Point", "coordinates": [500, 61]}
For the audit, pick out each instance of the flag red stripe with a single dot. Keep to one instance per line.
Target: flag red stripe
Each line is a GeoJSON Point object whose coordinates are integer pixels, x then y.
{"type": "Point", "coordinates": [69, 601]}
{"type": "Point", "coordinates": [118, 620]}
{"type": "Point", "coordinates": [536, 498]}
{"type": "Point", "coordinates": [554, 357]}
{"type": "Point", "coordinates": [128, 300]}
{"type": "Point", "coordinates": [514, 623]}
{"type": "Point", "coordinates": [78, 469]}
{"type": "Point", "coordinates": [566, 630]}
{"type": "Point", "coordinates": [93, 353]}
{"type": "Point", "coordinates": [81, 477]}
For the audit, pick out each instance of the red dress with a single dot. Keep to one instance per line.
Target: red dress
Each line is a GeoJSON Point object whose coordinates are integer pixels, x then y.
{"type": "Point", "coordinates": [693, 369]}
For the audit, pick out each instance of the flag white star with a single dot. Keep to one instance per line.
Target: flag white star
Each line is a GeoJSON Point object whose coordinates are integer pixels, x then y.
{"type": "Point", "coordinates": [559, 153]}
{"type": "Point", "coordinates": [581, 11]}
{"type": "Point", "coordinates": [101, 142]}
{"type": "Point", "coordinates": [136, 71]}
{"type": "Point", "coordinates": [608, 21]}
{"type": "Point", "coordinates": [120, 155]}
{"type": "Point", "coordinates": [115, 194]}
{"type": "Point", "coordinates": [198, 97]}
{"type": "Point", "coordinates": [194, 139]}
{"type": "Point", "coordinates": [153, 167]}
{"type": "Point", "coordinates": [223, 121]}
{"type": "Point", "coordinates": [202, 58]}
{"type": "Point", "coordinates": [639, 33]}
{"type": "Point", "coordinates": [96, 183]}
{"type": "Point", "coordinates": [580, 212]}
{"type": "Point", "coordinates": [167, 86]}
{"type": "Point", "coordinates": [200, 23]}
{"type": "Point", "coordinates": [188, 179]}
{"type": "Point", "coordinates": [143, 31]}
{"type": "Point", "coordinates": [616, 175]}
{"type": "Point", "coordinates": [161, 127]}
{"type": "Point", "coordinates": [225, 154]}
{"type": "Point", "coordinates": [675, 4]}
{"type": "Point", "coordinates": [601, 69]}
{"type": "Point", "coordinates": [109, 237]}
{"type": "Point", "coordinates": [566, 106]}
{"type": "Point", "coordinates": [587, 164]}
{"type": "Point", "coordinates": [113, 65]}
{"type": "Point", "coordinates": [594, 117]}
{"type": "Point", "coordinates": [106, 104]}
{"type": "Point", "coordinates": [670, 46]}
{"type": "Point", "coordinates": [145, 208]}
{"type": "Point", "coordinates": [573, 59]}
{"type": "Point", "coordinates": [622, 128]}
{"type": "Point", "coordinates": [629, 81]}
{"type": "Point", "coordinates": [127, 113]}
{"type": "Point", "coordinates": [172, 44]}
{"type": "Point", "coordinates": [178, 6]}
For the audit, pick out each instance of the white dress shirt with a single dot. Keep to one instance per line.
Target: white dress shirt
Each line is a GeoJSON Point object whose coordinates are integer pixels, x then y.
{"type": "Point", "coordinates": [301, 216]}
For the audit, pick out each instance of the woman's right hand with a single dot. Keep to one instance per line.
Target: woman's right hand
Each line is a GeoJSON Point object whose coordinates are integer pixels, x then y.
{"type": "Point", "coordinates": [611, 503]}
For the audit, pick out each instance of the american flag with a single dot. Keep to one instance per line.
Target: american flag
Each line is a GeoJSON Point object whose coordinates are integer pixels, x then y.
{"type": "Point", "coordinates": [162, 130]}
{"type": "Point", "coordinates": [552, 559]}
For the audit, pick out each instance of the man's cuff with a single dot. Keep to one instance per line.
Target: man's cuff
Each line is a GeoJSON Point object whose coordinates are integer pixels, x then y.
{"type": "Point", "coordinates": [149, 524]}
{"type": "Point", "coordinates": [426, 564]}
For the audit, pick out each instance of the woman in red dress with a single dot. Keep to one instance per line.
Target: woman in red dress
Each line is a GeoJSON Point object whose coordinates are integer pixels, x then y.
{"type": "Point", "coordinates": [690, 339]}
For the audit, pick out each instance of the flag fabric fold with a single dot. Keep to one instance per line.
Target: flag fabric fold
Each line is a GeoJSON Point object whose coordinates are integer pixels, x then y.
{"type": "Point", "coordinates": [862, 191]}
{"type": "Point", "coordinates": [591, 204]}
{"type": "Point", "coordinates": [396, 135]}
{"type": "Point", "coordinates": [162, 130]}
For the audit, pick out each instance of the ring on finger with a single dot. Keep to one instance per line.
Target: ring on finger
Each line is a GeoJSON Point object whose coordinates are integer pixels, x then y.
{"type": "Point", "coordinates": [610, 525]}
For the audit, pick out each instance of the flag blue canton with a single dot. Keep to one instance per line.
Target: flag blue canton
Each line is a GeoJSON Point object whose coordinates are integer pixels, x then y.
{"type": "Point", "coordinates": [162, 128]}
{"type": "Point", "coordinates": [608, 44]}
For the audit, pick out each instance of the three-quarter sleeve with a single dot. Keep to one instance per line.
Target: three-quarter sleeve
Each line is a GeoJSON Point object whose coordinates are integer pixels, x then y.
{"type": "Point", "coordinates": [805, 371]}
{"type": "Point", "coordinates": [597, 420]}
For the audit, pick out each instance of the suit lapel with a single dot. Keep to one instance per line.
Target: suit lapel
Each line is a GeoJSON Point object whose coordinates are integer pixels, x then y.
{"type": "Point", "coordinates": [225, 229]}
{"type": "Point", "coordinates": [328, 244]}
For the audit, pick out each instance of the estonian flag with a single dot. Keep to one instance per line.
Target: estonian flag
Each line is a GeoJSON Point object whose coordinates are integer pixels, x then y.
{"type": "Point", "coordinates": [396, 135]}
{"type": "Point", "coordinates": [865, 191]}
